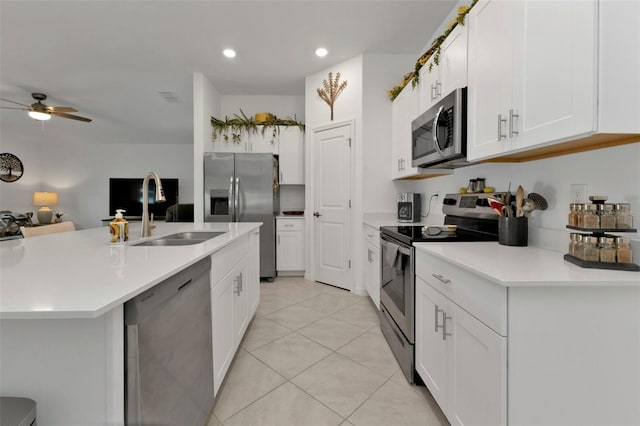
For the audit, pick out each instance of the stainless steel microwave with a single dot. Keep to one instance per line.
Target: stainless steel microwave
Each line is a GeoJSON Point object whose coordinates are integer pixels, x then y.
{"type": "Point", "coordinates": [439, 135]}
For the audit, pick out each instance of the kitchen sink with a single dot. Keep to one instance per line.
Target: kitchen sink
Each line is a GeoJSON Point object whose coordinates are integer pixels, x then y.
{"type": "Point", "coordinates": [181, 239]}
{"type": "Point", "coordinates": [195, 235]}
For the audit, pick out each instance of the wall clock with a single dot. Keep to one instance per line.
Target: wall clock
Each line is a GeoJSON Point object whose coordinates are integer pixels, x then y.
{"type": "Point", "coordinates": [10, 167]}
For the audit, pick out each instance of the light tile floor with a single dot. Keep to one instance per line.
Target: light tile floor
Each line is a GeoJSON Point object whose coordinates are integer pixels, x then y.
{"type": "Point", "coordinates": [314, 355]}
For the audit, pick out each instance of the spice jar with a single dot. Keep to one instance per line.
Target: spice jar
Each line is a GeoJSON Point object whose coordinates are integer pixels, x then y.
{"type": "Point", "coordinates": [571, 219]}
{"type": "Point", "coordinates": [624, 220]}
{"type": "Point", "coordinates": [590, 251]}
{"type": "Point", "coordinates": [607, 216]}
{"type": "Point", "coordinates": [623, 250]}
{"type": "Point", "coordinates": [579, 215]}
{"type": "Point", "coordinates": [572, 244]}
{"type": "Point", "coordinates": [607, 249]}
{"type": "Point", "coordinates": [590, 218]}
{"type": "Point", "coordinates": [578, 247]}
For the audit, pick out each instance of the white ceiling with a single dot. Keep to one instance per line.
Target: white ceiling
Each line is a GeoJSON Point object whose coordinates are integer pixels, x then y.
{"type": "Point", "coordinates": [109, 59]}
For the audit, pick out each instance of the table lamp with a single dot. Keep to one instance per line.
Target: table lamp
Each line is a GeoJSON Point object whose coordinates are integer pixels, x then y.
{"type": "Point", "coordinates": [45, 199]}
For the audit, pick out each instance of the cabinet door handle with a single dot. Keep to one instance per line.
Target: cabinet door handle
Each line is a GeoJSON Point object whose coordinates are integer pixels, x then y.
{"type": "Point", "coordinates": [288, 225]}
{"type": "Point", "coordinates": [500, 121]}
{"type": "Point", "coordinates": [511, 126]}
{"type": "Point", "coordinates": [433, 91]}
{"type": "Point", "coordinates": [438, 89]}
{"type": "Point", "coordinates": [241, 283]}
{"type": "Point", "coordinates": [444, 325]}
{"type": "Point", "coordinates": [437, 311]}
{"type": "Point", "coordinates": [278, 239]}
{"type": "Point", "coordinates": [236, 291]}
{"type": "Point", "coordinates": [281, 177]}
{"type": "Point", "coordinates": [441, 278]}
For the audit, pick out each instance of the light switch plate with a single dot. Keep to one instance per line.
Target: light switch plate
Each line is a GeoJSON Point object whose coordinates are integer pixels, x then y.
{"type": "Point", "coordinates": [578, 193]}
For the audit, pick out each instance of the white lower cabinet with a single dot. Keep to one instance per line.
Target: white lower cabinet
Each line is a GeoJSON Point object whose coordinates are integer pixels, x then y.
{"type": "Point", "coordinates": [290, 245]}
{"type": "Point", "coordinates": [462, 361]}
{"type": "Point", "coordinates": [235, 293]}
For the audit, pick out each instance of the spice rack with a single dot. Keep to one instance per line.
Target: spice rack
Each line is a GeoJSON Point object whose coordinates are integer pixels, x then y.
{"type": "Point", "coordinates": [597, 234]}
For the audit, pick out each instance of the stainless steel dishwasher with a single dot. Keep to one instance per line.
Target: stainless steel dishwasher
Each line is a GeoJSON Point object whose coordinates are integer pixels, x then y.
{"type": "Point", "coordinates": [169, 364]}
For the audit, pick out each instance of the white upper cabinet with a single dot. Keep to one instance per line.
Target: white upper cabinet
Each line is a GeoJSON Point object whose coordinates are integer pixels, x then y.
{"type": "Point", "coordinates": [491, 26]}
{"type": "Point", "coordinates": [291, 150]}
{"type": "Point", "coordinates": [449, 74]}
{"type": "Point", "coordinates": [243, 141]}
{"type": "Point", "coordinates": [404, 111]}
{"type": "Point", "coordinates": [540, 73]}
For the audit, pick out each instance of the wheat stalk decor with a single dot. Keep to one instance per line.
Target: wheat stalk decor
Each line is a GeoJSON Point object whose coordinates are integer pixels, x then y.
{"type": "Point", "coordinates": [331, 89]}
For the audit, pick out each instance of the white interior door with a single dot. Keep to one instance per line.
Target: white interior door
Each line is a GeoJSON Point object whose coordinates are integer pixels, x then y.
{"type": "Point", "coordinates": [332, 227]}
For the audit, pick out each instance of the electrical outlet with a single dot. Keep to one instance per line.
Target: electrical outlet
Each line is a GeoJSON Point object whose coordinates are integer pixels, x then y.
{"type": "Point", "coordinates": [578, 193]}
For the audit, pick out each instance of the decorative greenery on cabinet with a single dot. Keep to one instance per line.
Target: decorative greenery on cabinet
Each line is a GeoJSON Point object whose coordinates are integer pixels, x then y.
{"type": "Point", "coordinates": [230, 129]}
{"type": "Point", "coordinates": [432, 52]}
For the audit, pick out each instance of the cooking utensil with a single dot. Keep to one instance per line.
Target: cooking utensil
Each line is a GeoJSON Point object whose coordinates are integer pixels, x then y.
{"type": "Point", "coordinates": [528, 206]}
{"type": "Point", "coordinates": [539, 200]}
{"type": "Point", "coordinates": [507, 199]}
{"type": "Point", "coordinates": [496, 205]}
{"type": "Point", "coordinates": [519, 199]}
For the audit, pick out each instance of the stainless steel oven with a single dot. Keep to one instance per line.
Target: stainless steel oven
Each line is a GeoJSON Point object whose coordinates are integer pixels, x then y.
{"type": "Point", "coordinates": [397, 300]}
{"type": "Point", "coordinates": [469, 217]}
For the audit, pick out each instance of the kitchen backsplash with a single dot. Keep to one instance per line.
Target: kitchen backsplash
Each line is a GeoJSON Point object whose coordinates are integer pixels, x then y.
{"type": "Point", "coordinates": [614, 172]}
{"type": "Point", "coordinates": [291, 197]}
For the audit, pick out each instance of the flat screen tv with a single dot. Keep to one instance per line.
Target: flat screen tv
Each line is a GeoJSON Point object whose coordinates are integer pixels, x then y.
{"type": "Point", "coordinates": [126, 194]}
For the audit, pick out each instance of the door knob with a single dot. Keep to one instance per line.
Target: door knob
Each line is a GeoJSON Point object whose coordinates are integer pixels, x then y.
{"type": "Point", "coordinates": [316, 214]}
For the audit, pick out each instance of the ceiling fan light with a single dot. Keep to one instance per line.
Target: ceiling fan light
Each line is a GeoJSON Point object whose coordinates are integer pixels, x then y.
{"type": "Point", "coordinates": [40, 116]}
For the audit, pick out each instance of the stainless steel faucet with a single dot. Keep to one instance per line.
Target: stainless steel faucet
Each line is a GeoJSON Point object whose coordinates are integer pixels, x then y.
{"type": "Point", "coordinates": [146, 226]}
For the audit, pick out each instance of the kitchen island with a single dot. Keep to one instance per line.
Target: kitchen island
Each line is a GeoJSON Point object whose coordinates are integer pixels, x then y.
{"type": "Point", "coordinates": [61, 312]}
{"type": "Point", "coordinates": [516, 335]}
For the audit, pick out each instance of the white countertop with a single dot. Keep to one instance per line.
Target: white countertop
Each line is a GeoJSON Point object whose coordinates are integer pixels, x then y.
{"type": "Point", "coordinates": [524, 266]}
{"type": "Point", "coordinates": [82, 275]}
{"type": "Point", "coordinates": [376, 220]}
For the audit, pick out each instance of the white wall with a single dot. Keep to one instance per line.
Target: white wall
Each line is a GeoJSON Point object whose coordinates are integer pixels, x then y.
{"type": "Point", "coordinates": [381, 73]}
{"type": "Point", "coordinates": [80, 173]}
{"type": "Point", "coordinates": [614, 172]}
{"type": "Point", "coordinates": [348, 107]}
{"type": "Point", "coordinates": [206, 103]}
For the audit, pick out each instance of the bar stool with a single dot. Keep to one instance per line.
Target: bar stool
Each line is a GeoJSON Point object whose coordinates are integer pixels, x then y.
{"type": "Point", "coordinates": [16, 411]}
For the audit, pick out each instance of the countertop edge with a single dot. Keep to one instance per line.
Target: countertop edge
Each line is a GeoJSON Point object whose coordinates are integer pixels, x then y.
{"type": "Point", "coordinates": [521, 259]}
{"type": "Point", "coordinates": [97, 311]}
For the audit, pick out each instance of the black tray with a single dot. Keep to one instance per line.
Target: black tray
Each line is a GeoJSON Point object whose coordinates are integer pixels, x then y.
{"type": "Point", "coordinates": [602, 230]}
{"type": "Point", "coordinates": [602, 265]}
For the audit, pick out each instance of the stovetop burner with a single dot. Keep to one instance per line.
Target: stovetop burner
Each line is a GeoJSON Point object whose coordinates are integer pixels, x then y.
{"type": "Point", "coordinates": [414, 234]}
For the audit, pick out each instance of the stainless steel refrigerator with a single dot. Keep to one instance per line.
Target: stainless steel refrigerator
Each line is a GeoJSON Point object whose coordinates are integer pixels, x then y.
{"type": "Point", "coordinates": [244, 188]}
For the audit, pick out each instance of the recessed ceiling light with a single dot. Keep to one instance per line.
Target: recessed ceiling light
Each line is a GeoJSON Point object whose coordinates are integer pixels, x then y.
{"type": "Point", "coordinates": [321, 52]}
{"type": "Point", "coordinates": [229, 53]}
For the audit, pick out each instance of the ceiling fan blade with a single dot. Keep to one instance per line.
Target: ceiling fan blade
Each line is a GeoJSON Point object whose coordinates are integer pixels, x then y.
{"type": "Point", "coordinates": [73, 117]}
{"type": "Point", "coordinates": [60, 109]}
{"type": "Point", "coordinates": [13, 102]}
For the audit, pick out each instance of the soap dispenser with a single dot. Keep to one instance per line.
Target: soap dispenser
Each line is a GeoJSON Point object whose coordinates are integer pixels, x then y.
{"type": "Point", "coordinates": [119, 228]}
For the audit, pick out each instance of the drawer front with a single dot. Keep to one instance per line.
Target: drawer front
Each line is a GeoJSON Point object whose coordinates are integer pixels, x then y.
{"type": "Point", "coordinates": [372, 235]}
{"type": "Point", "coordinates": [483, 299]}
{"type": "Point", "coordinates": [225, 259]}
{"type": "Point", "coordinates": [283, 224]}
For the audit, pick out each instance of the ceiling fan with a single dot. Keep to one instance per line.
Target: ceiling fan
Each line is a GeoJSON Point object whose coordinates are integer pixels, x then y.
{"type": "Point", "coordinates": [40, 111]}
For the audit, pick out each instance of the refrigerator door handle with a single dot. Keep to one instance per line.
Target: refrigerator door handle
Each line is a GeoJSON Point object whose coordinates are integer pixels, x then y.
{"type": "Point", "coordinates": [237, 200]}
{"type": "Point", "coordinates": [230, 199]}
